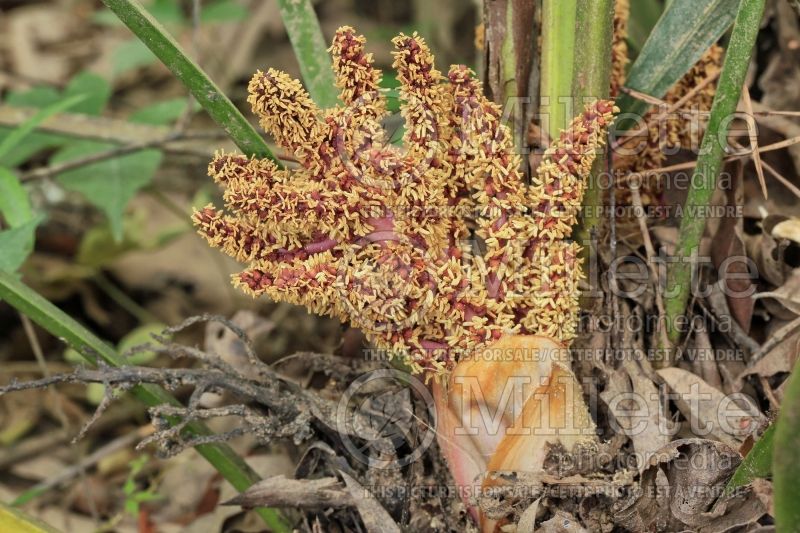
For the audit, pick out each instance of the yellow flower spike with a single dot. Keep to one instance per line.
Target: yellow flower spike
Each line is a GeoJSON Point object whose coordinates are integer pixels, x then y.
{"type": "Point", "coordinates": [356, 77]}
{"type": "Point", "coordinates": [423, 96]}
{"type": "Point", "coordinates": [288, 114]}
{"type": "Point", "coordinates": [556, 190]}
{"type": "Point", "coordinates": [237, 238]}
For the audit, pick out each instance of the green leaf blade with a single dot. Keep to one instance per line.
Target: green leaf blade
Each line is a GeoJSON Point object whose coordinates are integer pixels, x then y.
{"type": "Point", "coordinates": [310, 48]}
{"type": "Point", "coordinates": [110, 184]}
{"type": "Point", "coordinates": [686, 29]}
{"type": "Point", "coordinates": [16, 244]}
{"type": "Point", "coordinates": [23, 130]}
{"type": "Point", "coordinates": [785, 466]}
{"type": "Point", "coordinates": [756, 464]}
{"type": "Point", "coordinates": [14, 203]}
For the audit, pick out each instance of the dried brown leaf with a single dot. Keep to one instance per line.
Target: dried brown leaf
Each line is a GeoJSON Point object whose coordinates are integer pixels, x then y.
{"type": "Point", "coordinates": [708, 409]}
{"type": "Point", "coordinates": [280, 491]}
{"type": "Point", "coordinates": [374, 516]}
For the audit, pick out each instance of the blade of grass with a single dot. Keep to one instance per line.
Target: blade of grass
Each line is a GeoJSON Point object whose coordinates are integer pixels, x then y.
{"type": "Point", "coordinates": [558, 51]}
{"type": "Point", "coordinates": [59, 324]}
{"type": "Point", "coordinates": [19, 522]}
{"type": "Point", "coordinates": [310, 49]}
{"type": "Point", "coordinates": [709, 163]}
{"type": "Point", "coordinates": [23, 130]}
{"type": "Point", "coordinates": [785, 467]}
{"type": "Point", "coordinates": [591, 79]}
{"type": "Point", "coordinates": [757, 462]}
{"type": "Point", "coordinates": [208, 95]}
{"type": "Point", "coordinates": [686, 29]}
{"type": "Point", "coordinates": [644, 17]}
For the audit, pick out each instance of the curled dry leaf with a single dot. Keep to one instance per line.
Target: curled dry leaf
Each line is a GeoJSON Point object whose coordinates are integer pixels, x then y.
{"type": "Point", "coordinates": [727, 250]}
{"type": "Point", "coordinates": [788, 229]}
{"type": "Point", "coordinates": [692, 474]}
{"type": "Point", "coordinates": [709, 412]}
{"type": "Point", "coordinates": [768, 249]}
{"type": "Point", "coordinates": [375, 517]}
{"type": "Point", "coordinates": [632, 398]}
{"type": "Point", "coordinates": [787, 295]}
{"type": "Point", "coordinates": [778, 360]}
{"type": "Point", "coordinates": [527, 522]}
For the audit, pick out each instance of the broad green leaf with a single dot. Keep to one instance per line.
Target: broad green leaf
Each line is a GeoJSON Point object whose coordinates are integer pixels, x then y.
{"type": "Point", "coordinates": [131, 55]}
{"type": "Point", "coordinates": [160, 113]}
{"type": "Point", "coordinates": [756, 464]}
{"type": "Point", "coordinates": [96, 91]}
{"type": "Point", "coordinates": [98, 247]}
{"type": "Point", "coordinates": [223, 11]}
{"type": "Point", "coordinates": [785, 466]}
{"type": "Point", "coordinates": [16, 244]}
{"type": "Point", "coordinates": [23, 130]}
{"type": "Point", "coordinates": [109, 184]}
{"type": "Point", "coordinates": [37, 97]}
{"type": "Point", "coordinates": [686, 29]}
{"type": "Point", "coordinates": [35, 142]}
{"type": "Point", "coordinates": [14, 203]}
{"type": "Point", "coordinates": [138, 336]}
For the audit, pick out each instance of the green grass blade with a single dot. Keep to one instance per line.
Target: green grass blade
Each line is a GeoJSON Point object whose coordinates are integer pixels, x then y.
{"type": "Point", "coordinates": [310, 49]}
{"type": "Point", "coordinates": [19, 522]}
{"type": "Point", "coordinates": [785, 466]}
{"type": "Point", "coordinates": [558, 51]}
{"type": "Point", "coordinates": [208, 95]}
{"type": "Point", "coordinates": [26, 128]}
{"type": "Point", "coordinates": [709, 163]}
{"type": "Point", "coordinates": [59, 324]}
{"type": "Point", "coordinates": [686, 29]}
{"type": "Point", "coordinates": [757, 463]}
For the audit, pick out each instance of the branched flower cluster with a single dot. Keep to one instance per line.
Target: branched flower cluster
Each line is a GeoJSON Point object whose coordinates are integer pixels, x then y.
{"type": "Point", "coordinates": [434, 248]}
